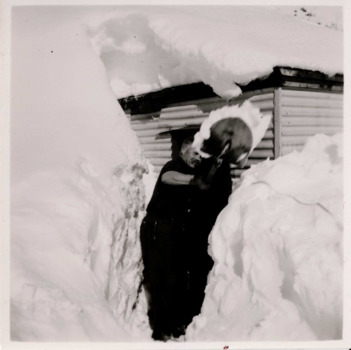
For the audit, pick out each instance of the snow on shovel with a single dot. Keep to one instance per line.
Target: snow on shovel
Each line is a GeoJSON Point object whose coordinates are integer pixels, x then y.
{"type": "Point", "coordinates": [232, 133]}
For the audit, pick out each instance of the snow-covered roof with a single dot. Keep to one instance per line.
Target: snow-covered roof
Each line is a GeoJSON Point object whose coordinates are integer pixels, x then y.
{"type": "Point", "coordinates": [146, 49]}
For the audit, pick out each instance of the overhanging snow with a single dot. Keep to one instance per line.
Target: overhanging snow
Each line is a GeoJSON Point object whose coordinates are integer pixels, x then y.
{"type": "Point", "coordinates": [147, 49]}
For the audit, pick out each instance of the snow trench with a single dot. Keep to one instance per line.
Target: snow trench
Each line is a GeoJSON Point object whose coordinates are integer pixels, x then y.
{"type": "Point", "coordinates": [78, 195]}
{"type": "Point", "coordinates": [76, 261]}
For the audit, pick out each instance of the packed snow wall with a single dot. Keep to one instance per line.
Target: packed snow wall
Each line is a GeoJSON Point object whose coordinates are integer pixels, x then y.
{"type": "Point", "coordinates": [77, 191]}
{"type": "Point", "coordinates": [277, 248]}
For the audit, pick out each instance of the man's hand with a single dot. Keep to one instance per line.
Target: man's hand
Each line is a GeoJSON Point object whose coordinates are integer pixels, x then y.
{"type": "Point", "coordinates": [205, 172]}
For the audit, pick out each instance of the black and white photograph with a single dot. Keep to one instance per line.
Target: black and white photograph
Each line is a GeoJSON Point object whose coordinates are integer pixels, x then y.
{"type": "Point", "coordinates": [175, 175]}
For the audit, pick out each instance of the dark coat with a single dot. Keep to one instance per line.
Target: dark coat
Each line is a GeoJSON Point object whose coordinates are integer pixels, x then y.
{"type": "Point", "coordinates": [174, 241]}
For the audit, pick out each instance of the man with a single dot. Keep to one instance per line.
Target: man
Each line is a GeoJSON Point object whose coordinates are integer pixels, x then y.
{"type": "Point", "coordinates": [187, 198]}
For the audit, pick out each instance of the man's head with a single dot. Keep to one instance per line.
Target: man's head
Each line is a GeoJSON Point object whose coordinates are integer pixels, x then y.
{"type": "Point", "coordinates": [189, 155]}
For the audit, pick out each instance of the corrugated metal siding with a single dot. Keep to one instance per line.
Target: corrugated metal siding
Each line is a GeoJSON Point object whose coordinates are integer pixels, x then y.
{"type": "Point", "coordinates": [265, 149]}
{"type": "Point", "coordinates": [306, 113]}
{"type": "Point", "coordinates": [158, 151]}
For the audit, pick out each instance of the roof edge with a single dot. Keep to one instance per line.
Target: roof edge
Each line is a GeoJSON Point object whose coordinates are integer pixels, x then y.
{"type": "Point", "coordinates": [294, 78]}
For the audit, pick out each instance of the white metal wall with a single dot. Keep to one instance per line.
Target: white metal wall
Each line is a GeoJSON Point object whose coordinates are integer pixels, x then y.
{"type": "Point", "coordinates": [158, 151]}
{"type": "Point", "coordinates": [306, 113]}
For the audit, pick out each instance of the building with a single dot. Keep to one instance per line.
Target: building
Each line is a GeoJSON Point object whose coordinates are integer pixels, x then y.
{"type": "Point", "coordinates": [302, 103]}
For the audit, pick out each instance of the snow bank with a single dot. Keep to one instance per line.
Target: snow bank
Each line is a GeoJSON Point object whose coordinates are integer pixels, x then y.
{"type": "Point", "coordinates": [150, 48]}
{"type": "Point", "coordinates": [277, 248]}
{"type": "Point", "coordinates": [77, 195]}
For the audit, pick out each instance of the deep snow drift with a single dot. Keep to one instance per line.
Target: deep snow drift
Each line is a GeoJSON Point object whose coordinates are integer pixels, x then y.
{"type": "Point", "coordinates": [150, 48]}
{"type": "Point", "coordinates": [277, 248]}
{"type": "Point", "coordinates": [77, 195]}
